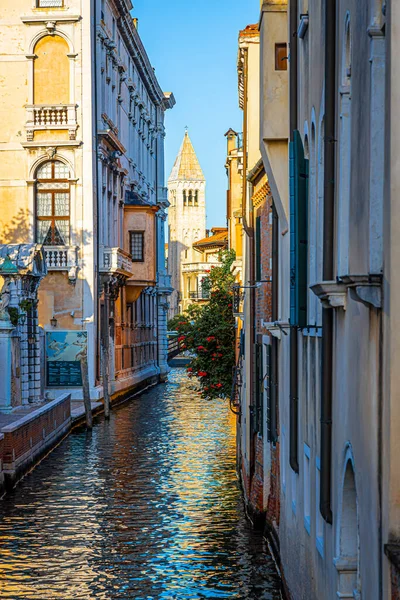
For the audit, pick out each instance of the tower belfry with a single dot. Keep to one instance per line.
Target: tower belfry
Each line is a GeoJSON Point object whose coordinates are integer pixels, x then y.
{"type": "Point", "coordinates": [186, 217]}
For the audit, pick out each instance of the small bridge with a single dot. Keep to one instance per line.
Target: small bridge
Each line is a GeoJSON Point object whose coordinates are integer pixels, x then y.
{"type": "Point", "coordinates": [175, 356]}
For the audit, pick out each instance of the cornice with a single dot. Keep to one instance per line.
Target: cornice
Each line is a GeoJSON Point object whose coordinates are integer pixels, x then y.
{"type": "Point", "coordinates": [47, 17]}
{"type": "Point", "coordinates": [138, 53]}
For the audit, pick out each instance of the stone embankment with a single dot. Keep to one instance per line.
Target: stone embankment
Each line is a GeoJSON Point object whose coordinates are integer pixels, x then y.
{"type": "Point", "coordinates": [29, 433]}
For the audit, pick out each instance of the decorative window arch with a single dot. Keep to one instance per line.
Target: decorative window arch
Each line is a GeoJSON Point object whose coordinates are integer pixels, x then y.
{"type": "Point", "coordinates": [347, 560]}
{"type": "Point", "coordinates": [52, 204]}
{"type": "Point", "coordinates": [346, 52]}
{"type": "Point", "coordinates": [51, 79]}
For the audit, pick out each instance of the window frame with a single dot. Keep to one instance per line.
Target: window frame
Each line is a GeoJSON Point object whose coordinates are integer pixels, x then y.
{"type": "Point", "coordinates": [281, 63]}
{"type": "Point", "coordinates": [61, 5]}
{"type": "Point", "coordinates": [53, 191]}
{"type": "Point", "coordinates": [133, 232]}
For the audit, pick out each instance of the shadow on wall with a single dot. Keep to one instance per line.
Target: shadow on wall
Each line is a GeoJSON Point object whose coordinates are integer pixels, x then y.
{"type": "Point", "coordinates": [18, 230]}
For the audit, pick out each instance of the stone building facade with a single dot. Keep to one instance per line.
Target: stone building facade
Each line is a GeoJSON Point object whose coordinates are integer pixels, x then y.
{"type": "Point", "coordinates": [250, 224]}
{"type": "Point", "coordinates": [322, 130]}
{"type": "Point", "coordinates": [82, 175]}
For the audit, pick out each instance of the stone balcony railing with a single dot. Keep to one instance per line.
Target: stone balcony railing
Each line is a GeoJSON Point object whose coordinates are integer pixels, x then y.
{"type": "Point", "coordinates": [197, 267]}
{"type": "Point", "coordinates": [40, 117]}
{"type": "Point", "coordinates": [60, 258]}
{"type": "Point", "coordinates": [115, 260]}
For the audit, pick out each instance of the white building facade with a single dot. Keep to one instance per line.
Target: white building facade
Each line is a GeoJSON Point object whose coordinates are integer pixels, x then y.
{"type": "Point", "coordinates": [324, 132]}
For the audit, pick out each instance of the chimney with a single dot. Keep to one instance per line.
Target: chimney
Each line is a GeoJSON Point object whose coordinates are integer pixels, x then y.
{"type": "Point", "coordinates": [207, 233]}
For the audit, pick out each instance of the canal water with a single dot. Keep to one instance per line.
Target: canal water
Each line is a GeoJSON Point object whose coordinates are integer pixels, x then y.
{"type": "Point", "coordinates": [147, 506]}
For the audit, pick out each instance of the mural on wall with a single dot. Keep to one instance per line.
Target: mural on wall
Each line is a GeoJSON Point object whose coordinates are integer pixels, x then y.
{"type": "Point", "coordinates": [64, 350]}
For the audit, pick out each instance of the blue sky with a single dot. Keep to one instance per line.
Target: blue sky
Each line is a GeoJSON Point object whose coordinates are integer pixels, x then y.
{"type": "Point", "coordinates": [193, 48]}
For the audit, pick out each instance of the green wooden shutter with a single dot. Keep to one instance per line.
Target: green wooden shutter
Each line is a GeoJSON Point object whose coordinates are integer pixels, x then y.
{"type": "Point", "coordinates": [259, 392]}
{"type": "Point", "coordinates": [298, 168]}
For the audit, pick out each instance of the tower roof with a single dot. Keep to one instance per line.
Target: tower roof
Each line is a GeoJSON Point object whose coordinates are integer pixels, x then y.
{"type": "Point", "coordinates": [187, 166]}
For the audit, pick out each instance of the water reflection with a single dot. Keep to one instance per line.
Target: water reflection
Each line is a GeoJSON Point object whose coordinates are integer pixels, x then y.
{"type": "Point", "coordinates": [145, 507]}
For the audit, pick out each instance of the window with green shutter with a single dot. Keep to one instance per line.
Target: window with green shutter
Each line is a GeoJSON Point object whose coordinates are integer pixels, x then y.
{"type": "Point", "coordinates": [298, 169]}
{"type": "Point", "coordinates": [259, 391]}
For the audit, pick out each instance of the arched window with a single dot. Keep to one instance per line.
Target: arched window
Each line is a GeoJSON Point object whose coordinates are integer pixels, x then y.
{"type": "Point", "coordinates": [51, 71]}
{"type": "Point", "coordinates": [196, 197]}
{"type": "Point", "coordinates": [184, 198]}
{"type": "Point", "coordinates": [53, 204]}
{"type": "Point", "coordinates": [347, 562]}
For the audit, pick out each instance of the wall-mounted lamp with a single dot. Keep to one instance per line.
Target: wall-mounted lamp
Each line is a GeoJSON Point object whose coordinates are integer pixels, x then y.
{"type": "Point", "coordinates": [53, 322]}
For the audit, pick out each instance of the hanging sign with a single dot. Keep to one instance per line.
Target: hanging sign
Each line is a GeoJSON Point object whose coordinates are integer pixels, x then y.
{"type": "Point", "coordinates": [64, 350]}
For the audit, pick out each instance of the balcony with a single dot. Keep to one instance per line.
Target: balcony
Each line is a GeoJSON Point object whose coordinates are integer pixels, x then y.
{"type": "Point", "coordinates": [42, 117]}
{"type": "Point", "coordinates": [199, 295]}
{"type": "Point", "coordinates": [197, 267]}
{"type": "Point", "coordinates": [115, 261]}
{"type": "Point", "coordinates": [62, 258]}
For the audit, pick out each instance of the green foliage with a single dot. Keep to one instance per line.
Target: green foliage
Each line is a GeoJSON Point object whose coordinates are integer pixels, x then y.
{"type": "Point", "coordinates": [209, 332]}
{"type": "Point", "coordinates": [14, 315]}
{"type": "Point", "coordinates": [26, 305]}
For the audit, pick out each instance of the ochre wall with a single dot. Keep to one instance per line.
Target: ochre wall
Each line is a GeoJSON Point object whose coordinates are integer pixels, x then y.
{"type": "Point", "coordinates": [51, 86]}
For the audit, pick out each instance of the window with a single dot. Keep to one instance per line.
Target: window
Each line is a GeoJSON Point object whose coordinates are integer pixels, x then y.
{"type": "Point", "coordinates": [52, 204]}
{"type": "Point", "coordinates": [184, 198]}
{"type": "Point", "coordinates": [137, 245]}
{"type": "Point", "coordinates": [281, 57]}
{"type": "Point", "coordinates": [49, 3]}
{"type": "Point", "coordinates": [306, 484]}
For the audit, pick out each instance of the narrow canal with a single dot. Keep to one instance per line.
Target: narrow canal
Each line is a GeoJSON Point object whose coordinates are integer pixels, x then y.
{"type": "Point", "coordinates": [147, 506]}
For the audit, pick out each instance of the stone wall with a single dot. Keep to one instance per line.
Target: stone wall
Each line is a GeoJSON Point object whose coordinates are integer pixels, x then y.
{"type": "Point", "coordinates": [29, 437]}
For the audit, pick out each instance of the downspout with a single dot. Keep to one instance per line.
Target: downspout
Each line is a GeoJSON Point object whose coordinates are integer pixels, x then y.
{"type": "Point", "coordinates": [157, 248]}
{"type": "Point", "coordinates": [249, 230]}
{"type": "Point", "coordinates": [328, 259]}
{"type": "Point", "coordinates": [96, 299]}
{"type": "Point", "coordinates": [294, 384]}
{"type": "Point", "coordinates": [274, 314]}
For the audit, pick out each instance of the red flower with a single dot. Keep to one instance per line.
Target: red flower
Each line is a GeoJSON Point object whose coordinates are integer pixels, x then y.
{"type": "Point", "coordinates": [201, 348]}
{"type": "Point", "coordinates": [218, 385]}
{"type": "Point", "coordinates": [211, 338]}
{"type": "Point", "coordinates": [229, 305]}
{"type": "Point", "coordinates": [189, 369]}
{"type": "Point", "coordinates": [181, 338]}
{"type": "Point", "coordinates": [202, 374]}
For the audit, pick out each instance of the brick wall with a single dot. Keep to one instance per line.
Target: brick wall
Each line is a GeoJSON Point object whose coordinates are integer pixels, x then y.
{"type": "Point", "coordinates": [1, 461]}
{"type": "Point", "coordinates": [257, 481]}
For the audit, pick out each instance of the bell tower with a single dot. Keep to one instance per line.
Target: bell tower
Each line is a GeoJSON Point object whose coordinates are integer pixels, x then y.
{"type": "Point", "coordinates": [186, 217]}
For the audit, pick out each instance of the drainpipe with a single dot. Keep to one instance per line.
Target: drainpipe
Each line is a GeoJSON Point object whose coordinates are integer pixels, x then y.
{"type": "Point", "coordinates": [275, 316]}
{"type": "Point", "coordinates": [294, 385]}
{"type": "Point", "coordinates": [328, 259]}
{"type": "Point", "coordinates": [249, 230]}
{"type": "Point", "coordinates": [157, 304]}
{"type": "Point", "coordinates": [96, 153]}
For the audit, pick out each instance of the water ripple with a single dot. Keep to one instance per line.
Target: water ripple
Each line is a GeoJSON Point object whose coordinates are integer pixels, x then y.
{"type": "Point", "coordinates": [146, 506]}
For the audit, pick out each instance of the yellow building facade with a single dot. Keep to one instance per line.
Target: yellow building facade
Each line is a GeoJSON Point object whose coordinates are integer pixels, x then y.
{"type": "Point", "coordinates": [82, 175]}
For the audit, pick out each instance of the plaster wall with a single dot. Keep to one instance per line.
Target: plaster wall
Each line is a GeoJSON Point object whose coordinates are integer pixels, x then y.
{"type": "Point", "coordinates": [311, 548]}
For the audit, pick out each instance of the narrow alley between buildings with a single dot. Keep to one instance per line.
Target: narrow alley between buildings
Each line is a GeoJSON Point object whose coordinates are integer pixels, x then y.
{"type": "Point", "coordinates": [146, 506]}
